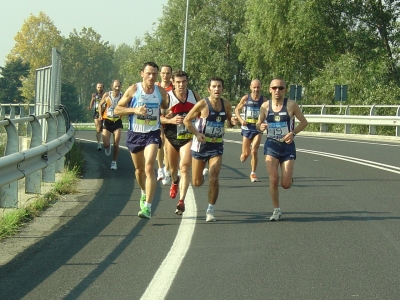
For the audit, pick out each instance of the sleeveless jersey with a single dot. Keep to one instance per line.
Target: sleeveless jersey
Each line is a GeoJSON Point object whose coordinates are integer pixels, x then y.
{"type": "Point", "coordinates": [174, 131]}
{"type": "Point", "coordinates": [151, 121]}
{"type": "Point", "coordinates": [212, 126]}
{"type": "Point", "coordinates": [169, 88]}
{"type": "Point", "coordinates": [251, 112]}
{"type": "Point", "coordinates": [111, 103]}
{"type": "Point", "coordinates": [279, 123]}
{"type": "Point", "coordinates": [97, 99]}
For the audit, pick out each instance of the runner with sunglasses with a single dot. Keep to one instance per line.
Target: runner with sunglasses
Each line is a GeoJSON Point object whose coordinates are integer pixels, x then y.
{"type": "Point", "coordinates": [278, 117]}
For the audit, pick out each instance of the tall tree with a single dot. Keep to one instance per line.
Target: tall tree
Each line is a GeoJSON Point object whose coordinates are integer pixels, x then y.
{"type": "Point", "coordinates": [70, 98]}
{"type": "Point", "coordinates": [87, 60]}
{"type": "Point", "coordinates": [33, 44]}
{"type": "Point", "coordinates": [11, 81]}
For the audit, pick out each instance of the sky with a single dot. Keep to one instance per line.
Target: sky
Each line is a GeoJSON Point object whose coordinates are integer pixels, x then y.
{"type": "Point", "coordinates": [116, 21]}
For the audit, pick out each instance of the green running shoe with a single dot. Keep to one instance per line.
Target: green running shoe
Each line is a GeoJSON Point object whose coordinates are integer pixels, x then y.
{"type": "Point", "coordinates": [145, 213]}
{"type": "Point", "coordinates": [142, 201]}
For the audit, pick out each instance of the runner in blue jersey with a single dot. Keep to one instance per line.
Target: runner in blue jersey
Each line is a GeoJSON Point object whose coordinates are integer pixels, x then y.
{"type": "Point", "coordinates": [143, 102]}
{"type": "Point", "coordinates": [250, 104]}
{"type": "Point", "coordinates": [210, 115]}
{"type": "Point", "coordinates": [278, 117]}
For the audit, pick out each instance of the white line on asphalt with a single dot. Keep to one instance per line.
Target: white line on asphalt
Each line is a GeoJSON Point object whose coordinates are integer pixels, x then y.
{"type": "Point", "coordinates": [355, 160]}
{"type": "Point", "coordinates": [162, 280]}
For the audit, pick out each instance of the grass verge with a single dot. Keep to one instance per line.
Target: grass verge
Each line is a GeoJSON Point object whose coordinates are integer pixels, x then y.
{"type": "Point", "coordinates": [11, 222]}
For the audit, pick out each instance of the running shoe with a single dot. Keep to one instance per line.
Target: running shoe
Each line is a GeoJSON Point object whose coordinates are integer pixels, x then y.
{"type": "Point", "coordinates": [160, 174]}
{"type": "Point", "coordinates": [167, 178]}
{"type": "Point", "coordinates": [253, 177]}
{"type": "Point", "coordinates": [173, 191]}
{"type": "Point", "coordinates": [142, 201]}
{"type": "Point", "coordinates": [145, 213]}
{"type": "Point", "coordinates": [242, 158]}
{"type": "Point", "coordinates": [210, 216]}
{"type": "Point", "coordinates": [180, 207]}
{"type": "Point", "coordinates": [276, 215]}
{"type": "Point", "coordinates": [107, 151]}
{"type": "Point", "coordinates": [98, 147]}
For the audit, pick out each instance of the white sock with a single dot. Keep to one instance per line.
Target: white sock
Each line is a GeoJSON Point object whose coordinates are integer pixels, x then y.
{"type": "Point", "coordinates": [143, 192]}
{"type": "Point", "coordinates": [253, 173]}
{"type": "Point", "coordinates": [210, 207]}
{"type": "Point", "coordinates": [147, 204]}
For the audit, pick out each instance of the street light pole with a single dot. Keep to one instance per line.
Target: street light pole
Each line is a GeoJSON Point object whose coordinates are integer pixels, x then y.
{"type": "Point", "coordinates": [185, 37]}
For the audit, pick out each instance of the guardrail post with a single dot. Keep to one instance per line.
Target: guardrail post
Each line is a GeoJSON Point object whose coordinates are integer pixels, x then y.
{"type": "Point", "coordinates": [347, 127]}
{"type": "Point", "coordinates": [12, 112]}
{"type": "Point", "coordinates": [9, 193]}
{"type": "Point", "coordinates": [49, 173]}
{"type": "Point", "coordinates": [323, 127]}
{"type": "Point", "coordinates": [372, 112]}
{"type": "Point", "coordinates": [60, 133]}
{"type": "Point", "coordinates": [33, 181]}
{"type": "Point", "coordinates": [398, 127]}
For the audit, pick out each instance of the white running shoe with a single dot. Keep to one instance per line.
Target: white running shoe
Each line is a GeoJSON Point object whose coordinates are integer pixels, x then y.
{"type": "Point", "coordinates": [276, 215]}
{"type": "Point", "coordinates": [205, 173]}
{"type": "Point", "coordinates": [167, 178]}
{"type": "Point", "coordinates": [113, 165]}
{"type": "Point", "coordinates": [160, 174]}
{"type": "Point", "coordinates": [107, 152]}
{"type": "Point", "coordinates": [98, 147]}
{"type": "Point", "coordinates": [210, 216]}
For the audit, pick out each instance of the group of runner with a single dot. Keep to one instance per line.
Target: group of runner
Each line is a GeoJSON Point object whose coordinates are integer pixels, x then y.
{"type": "Point", "coordinates": [169, 123]}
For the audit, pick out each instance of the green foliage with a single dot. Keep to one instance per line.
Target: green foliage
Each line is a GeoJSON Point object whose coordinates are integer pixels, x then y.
{"type": "Point", "coordinates": [87, 60]}
{"type": "Point", "coordinates": [70, 98]}
{"type": "Point", "coordinates": [33, 44]}
{"type": "Point", "coordinates": [11, 81]}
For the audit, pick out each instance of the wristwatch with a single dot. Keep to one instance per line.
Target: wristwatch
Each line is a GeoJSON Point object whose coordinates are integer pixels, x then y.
{"type": "Point", "coordinates": [294, 134]}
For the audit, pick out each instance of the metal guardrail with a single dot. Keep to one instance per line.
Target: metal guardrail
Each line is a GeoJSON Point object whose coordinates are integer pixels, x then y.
{"type": "Point", "coordinates": [41, 160]}
{"type": "Point", "coordinates": [344, 117]}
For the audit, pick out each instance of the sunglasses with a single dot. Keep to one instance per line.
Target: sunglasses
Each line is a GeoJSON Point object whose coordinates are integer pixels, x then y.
{"type": "Point", "coordinates": [281, 88]}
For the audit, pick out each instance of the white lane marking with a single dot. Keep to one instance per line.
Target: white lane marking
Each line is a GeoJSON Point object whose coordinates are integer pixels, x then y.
{"type": "Point", "coordinates": [351, 141]}
{"type": "Point", "coordinates": [165, 275]}
{"type": "Point", "coordinates": [355, 160]}
{"type": "Point", "coordinates": [162, 280]}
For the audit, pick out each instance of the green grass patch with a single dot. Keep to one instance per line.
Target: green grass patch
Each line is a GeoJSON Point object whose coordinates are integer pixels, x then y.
{"type": "Point", "coordinates": [12, 221]}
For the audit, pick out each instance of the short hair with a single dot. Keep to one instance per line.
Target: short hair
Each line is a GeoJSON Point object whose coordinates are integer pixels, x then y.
{"type": "Point", "coordinates": [167, 66]}
{"type": "Point", "coordinates": [215, 78]}
{"type": "Point", "coordinates": [151, 64]}
{"type": "Point", "coordinates": [112, 82]}
{"type": "Point", "coordinates": [179, 73]}
{"type": "Point", "coordinates": [280, 79]}
{"type": "Point", "coordinates": [102, 84]}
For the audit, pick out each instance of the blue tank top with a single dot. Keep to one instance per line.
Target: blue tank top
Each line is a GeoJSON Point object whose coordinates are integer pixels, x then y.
{"type": "Point", "coordinates": [279, 123]}
{"type": "Point", "coordinates": [251, 112]}
{"type": "Point", "coordinates": [212, 126]}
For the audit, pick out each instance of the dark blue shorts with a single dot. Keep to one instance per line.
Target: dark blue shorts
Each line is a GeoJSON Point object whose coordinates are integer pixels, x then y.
{"type": "Point", "coordinates": [250, 134]}
{"type": "Point", "coordinates": [96, 115]}
{"type": "Point", "coordinates": [111, 126]}
{"type": "Point", "coordinates": [209, 150]}
{"type": "Point", "coordinates": [280, 150]}
{"type": "Point", "coordinates": [137, 141]}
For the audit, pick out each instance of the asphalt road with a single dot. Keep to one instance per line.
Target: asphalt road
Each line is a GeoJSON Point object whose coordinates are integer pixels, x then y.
{"type": "Point", "coordinates": [339, 237]}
